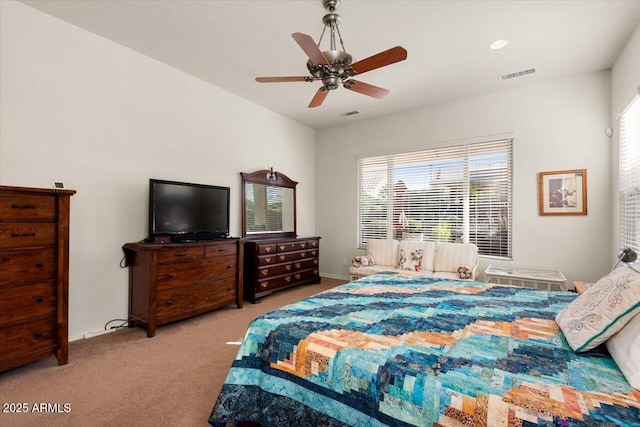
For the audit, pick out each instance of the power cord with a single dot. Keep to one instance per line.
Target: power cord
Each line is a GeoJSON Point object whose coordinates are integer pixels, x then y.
{"type": "Point", "coordinates": [121, 325]}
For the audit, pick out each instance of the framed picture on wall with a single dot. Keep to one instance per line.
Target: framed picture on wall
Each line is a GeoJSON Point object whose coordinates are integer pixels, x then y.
{"type": "Point", "coordinates": [563, 192]}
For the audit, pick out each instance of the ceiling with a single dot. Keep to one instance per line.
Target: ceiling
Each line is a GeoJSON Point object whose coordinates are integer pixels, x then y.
{"type": "Point", "coordinates": [229, 43]}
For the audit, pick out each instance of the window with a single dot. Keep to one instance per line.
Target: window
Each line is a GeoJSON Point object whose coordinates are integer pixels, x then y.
{"type": "Point", "coordinates": [629, 177]}
{"type": "Point", "coordinates": [453, 194]}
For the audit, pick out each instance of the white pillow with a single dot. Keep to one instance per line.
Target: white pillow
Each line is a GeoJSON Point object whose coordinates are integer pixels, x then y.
{"type": "Point", "coordinates": [602, 310]}
{"type": "Point", "coordinates": [384, 251]}
{"type": "Point", "coordinates": [624, 347]}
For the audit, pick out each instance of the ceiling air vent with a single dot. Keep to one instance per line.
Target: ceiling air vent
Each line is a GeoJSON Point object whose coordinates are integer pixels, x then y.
{"type": "Point", "coordinates": [350, 113]}
{"type": "Point", "coordinates": [518, 74]}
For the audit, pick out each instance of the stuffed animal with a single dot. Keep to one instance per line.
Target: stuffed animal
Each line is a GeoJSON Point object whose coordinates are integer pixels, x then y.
{"type": "Point", "coordinates": [465, 272]}
{"type": "Point", "coordinates": [362, 261]}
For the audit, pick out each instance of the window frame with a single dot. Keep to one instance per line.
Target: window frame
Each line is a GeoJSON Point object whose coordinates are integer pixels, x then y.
{"type": "Point", "coordinates": [468, 149]}
{"type": "Point", "coordinates": [629, 182]}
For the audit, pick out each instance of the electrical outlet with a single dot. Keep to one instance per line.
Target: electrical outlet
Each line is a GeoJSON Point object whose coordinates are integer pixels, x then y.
{"type": "Point", "coordinates": [344, 261]}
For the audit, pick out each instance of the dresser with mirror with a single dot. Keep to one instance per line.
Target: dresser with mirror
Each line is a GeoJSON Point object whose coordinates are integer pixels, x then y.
{"type": "Point", "coordinates": [275, 257]}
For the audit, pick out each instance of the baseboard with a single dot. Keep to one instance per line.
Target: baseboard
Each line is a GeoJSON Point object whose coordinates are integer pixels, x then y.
{"type": "Point", "coordinates": [90, 334]}
{"type": "Point", "coordinates": [335, 276]}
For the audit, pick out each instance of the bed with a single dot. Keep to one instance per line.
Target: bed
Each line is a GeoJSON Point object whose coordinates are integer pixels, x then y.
{"type": "Point", "coordinates": [420, 351]}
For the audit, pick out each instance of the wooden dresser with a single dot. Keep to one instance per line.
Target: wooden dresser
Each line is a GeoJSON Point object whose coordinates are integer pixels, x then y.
{"type": "Point", "coordinates": [34, 275]}
{"type": "Point", "coordinates": [169, 282]}
{"type": "Point", "coordinates": [274, 264]}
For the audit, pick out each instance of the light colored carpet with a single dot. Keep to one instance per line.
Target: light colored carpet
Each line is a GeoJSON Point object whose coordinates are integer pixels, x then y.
{"type": "Point", "coordinates": [126, 379]}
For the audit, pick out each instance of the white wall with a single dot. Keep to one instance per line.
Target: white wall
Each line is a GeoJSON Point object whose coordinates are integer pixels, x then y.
{"type": "Point", "coordinates": [77, 108]}
{"type": "Point", "coordinates": [559, 125]}
{"type": "Point", "coordinates": [625, 85]}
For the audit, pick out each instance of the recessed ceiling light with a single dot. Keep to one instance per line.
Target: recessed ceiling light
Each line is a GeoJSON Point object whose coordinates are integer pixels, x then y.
{"type": "Point", "coordinates": [498, 44]}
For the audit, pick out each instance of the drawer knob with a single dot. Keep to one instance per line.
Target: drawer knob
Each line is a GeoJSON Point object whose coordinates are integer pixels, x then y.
{"type": "Point", "coordinates": [297, 265]}
{"type": "Point", "coordinates": [287, 267]}
{"type": "Point", "coordinates": [38, 335]}
{"type": "Point", "coordinates": [23, 234]}
{"type": "Point", "coordinates": [267, 249]}
{"type": "Point", "coordinates": [39, 265]}
{"type": "Point", "coordinates": [230, 266]}
{"type": "Point", "coordinates": [39, 299]}
{"type": "Point", "coordinates": [23, 206]}
{"type": "Point", "coordinates": [298, 276]}
{"type": "Point", "coordinates": [170, 302]}
{"type": "Point", "coordinates": [288, 278]}
{"type": "Point", "coordinates": [264, 284]}
{"type": "Point", "coordinates": [265, 272]}
{"type": "Point", "coordinates": [282, 257]}
{"type": "Point", "coordinates": [267, 259]}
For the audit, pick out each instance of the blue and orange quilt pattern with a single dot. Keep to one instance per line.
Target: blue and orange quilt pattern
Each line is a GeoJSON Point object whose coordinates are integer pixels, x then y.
{"type": "Point", "coordinates": [421, 351]}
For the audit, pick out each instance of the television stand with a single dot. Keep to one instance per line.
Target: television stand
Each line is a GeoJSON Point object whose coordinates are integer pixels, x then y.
{"type": "Point", "coordinates": [175, 281]}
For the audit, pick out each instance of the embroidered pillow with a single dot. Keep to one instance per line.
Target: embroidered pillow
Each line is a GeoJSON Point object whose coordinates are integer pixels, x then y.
{"type": "Point", "coordinates": [411, 260]}
{"type": "Point", "coordinates": [602, 310]}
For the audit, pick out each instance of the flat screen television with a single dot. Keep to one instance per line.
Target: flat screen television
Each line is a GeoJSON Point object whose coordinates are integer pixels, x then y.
{"type": "Point", "coordinates": [188, 212]}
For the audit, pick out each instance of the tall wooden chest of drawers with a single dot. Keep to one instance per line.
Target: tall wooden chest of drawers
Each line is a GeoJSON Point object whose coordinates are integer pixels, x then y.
{"type": "Point", "coordinates": [34, 275]}
{"type": "Point", "coordinates": [169, 282]}
{"type": "Point", "coordinates": [275, 264]}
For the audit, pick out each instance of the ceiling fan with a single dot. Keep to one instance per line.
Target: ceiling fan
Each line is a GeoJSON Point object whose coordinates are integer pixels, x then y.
{"type": "Point", "coordinates": [334, 67]}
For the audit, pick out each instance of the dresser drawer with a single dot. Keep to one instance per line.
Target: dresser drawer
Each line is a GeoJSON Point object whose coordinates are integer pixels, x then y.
{"type": "Point", "coordinates": [291, 256]}
{"type": "Point", "coordinates": [313, 244]}
{"type": "Point", "coordinates": [291, 246]}
{"type": "Point", "coordinates": [27, 266]}
{"type": "Point", "coordinates": [27, 234]}
{"type": "Point", "coordinates": [188, 253]}
{"type": "Point", "coordinates": [266, 249]}
{"type": "Point", "coordinates": [275, 270]}
{"type": "Point", "coordinates": [267, 260]}
{"type": "Point", "coordinates": [176, 301]}
{"type": "Point", "coordinates": [306, 275]}
{"type": "Point", "coordinates": [27, 206]}
{"type": "Point", "coordinates": [313, 253]}
{"type": "Point", "coordinates": [25, 302]}
{"type": "Point", "coordinates": [187, 274]}
{"type": "Point", "coordinates": [222, 266]}
{"type": "Point", "coordinates": [27, 337]}
{"type": "Point", "coordinates": [220, 250]}
{"type": "Point", "coordinates": [305, 264]}
{"type": "Point", "coordinates": [274, 283]}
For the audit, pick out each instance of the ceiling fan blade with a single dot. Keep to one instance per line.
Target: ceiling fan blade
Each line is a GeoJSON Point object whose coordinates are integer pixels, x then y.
{"type": "Point", "coordinates": [280, 79]}
{"type": "Point", "coordinates": [310, 48]}
{"type": "Point", "coordinates": [388, 57]}
{"type": "Point", "coordinates": [366, 89]}
{"type": "Point", "coordinates": [319, 97]}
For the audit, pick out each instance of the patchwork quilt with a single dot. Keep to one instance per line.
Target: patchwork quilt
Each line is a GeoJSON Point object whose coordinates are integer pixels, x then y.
{"type": "Point", "coordinates": [421, 351]}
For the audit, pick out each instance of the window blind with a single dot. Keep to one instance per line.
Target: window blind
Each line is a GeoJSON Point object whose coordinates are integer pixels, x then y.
{"type": "Point", "coordinates": [629, 177]}
{"type": "Point", "coordinates": [453, 194]}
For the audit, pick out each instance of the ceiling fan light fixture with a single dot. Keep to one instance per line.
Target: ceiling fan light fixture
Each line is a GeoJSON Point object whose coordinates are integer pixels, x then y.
{"type": "Point", "coordinates": [336, 67]}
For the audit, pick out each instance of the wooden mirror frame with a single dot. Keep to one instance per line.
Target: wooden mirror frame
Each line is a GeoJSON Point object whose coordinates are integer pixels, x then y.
{"type": "Point", "coordinates": [260, 177]}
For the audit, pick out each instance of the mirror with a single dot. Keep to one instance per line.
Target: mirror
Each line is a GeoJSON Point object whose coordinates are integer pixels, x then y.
{"type": "Point", "coordinates": [268, 205]}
